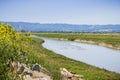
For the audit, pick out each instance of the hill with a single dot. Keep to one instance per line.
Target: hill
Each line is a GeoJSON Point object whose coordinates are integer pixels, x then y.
{"type": "Point", "coordinates": [37, 27]}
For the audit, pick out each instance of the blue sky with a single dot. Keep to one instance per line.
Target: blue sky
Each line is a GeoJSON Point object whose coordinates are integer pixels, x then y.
{"type": "Point", "coordinates": [61, 11]}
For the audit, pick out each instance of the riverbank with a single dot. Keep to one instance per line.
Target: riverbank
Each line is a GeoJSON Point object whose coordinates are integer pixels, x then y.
{"type": "Point", "coordinates": [53, 62]}
{"type": "Point", "coordinates": [87, 53]}
{"type": "Point", "coordinates": [107, 40]}
{"type": "Point", "coordinates": [92, 42]}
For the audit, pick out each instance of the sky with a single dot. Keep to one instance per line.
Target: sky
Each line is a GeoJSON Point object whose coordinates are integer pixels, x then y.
{"type": "Point", "coordinates": [61, 11]}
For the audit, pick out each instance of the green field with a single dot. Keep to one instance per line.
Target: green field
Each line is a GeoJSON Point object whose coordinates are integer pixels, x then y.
{"type": "Point", "coordinates": [108, 39]}
{"type": "Point", "coordinates": [22, 48]}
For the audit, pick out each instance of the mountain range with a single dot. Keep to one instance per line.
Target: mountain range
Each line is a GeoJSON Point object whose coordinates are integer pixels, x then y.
{"type": "Point", "coordinates": [37, 27]}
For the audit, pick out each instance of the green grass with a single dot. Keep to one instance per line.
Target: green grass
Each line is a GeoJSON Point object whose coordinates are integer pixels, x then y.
{"type": "Point", "coordinates": [112, 39]}
{"type": "Point", "coordinates": [53, 62]}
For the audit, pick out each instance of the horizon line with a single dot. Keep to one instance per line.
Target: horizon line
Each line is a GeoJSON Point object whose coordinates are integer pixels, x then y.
{"type": "Point", "coordinates": [60, 23]}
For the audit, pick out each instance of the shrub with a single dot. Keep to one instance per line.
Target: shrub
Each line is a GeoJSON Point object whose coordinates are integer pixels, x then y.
{"type": "Point", "coordinates": [13, 46]}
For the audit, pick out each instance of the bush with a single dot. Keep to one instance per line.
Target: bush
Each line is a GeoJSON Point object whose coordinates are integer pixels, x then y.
{"type": "Point", "coordinates": [13, 46]}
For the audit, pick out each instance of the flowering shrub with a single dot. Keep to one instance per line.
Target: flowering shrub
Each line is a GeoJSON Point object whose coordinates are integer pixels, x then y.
{"type": "Point", "coordinates": [13, 46]}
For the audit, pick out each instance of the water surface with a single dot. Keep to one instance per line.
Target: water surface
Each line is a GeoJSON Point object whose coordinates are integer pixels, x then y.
{"type": "Point", "coordinates": [99, 56]}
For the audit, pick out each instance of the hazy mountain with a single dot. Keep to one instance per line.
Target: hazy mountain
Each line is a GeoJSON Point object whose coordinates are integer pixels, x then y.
{"type": "Point", "coordinates": [37, 27]}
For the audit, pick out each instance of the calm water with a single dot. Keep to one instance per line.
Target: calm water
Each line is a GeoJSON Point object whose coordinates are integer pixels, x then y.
{"type": "Point", "coordinates": [91, 54]}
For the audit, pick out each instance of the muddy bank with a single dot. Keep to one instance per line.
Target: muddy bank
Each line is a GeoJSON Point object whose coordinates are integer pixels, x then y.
{"type": "Point", "coordinates": [92, 42]}
{"type": "Point", "coordinates": [99, 43]}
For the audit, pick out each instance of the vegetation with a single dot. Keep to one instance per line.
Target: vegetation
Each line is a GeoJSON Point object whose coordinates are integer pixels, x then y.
{"type": "Point", "coordinates": [13, 47]}
{"type": "Point", "coordinates": [19, 47]}
{"type": "Point", "coordinates": [110, 39]}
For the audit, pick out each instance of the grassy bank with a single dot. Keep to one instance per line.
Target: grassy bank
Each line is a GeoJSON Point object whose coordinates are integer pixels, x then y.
{"type": "Point", "coordinates": [108, 40]}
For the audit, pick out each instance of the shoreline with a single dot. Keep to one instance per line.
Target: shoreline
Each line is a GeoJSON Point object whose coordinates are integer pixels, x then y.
{"type": "Point", "coordinates": [97, 43]}
{"type": "Point", "coordinates": [91, 42]}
